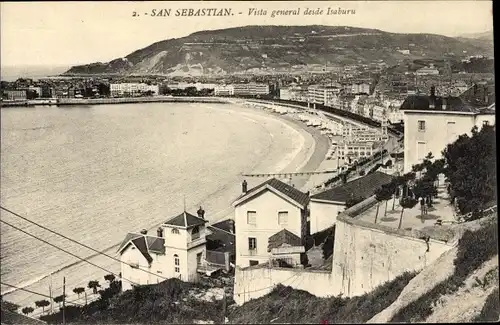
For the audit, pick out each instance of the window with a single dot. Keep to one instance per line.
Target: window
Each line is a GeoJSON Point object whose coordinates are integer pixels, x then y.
{"type": "Point", "coordinates": [252, 262]}
{"type": "Point", "coordinates": [177, 263]}
{"type": "Point", "coordinates": [252, 243]}
{"type": "Point", "coordinates": [486, 123]}
{"type": "Point", "coordinates": [421, 126]}
{"type": "Point", "coordinates": [175, 231]}
{"type": "Point", "coordinates": [251, 217]}
{"type": "Point", "coordinates": [282, 218]}
{"type": "Point", "coordinates": [195, 233]}
{"type": "Point", "coordinates": [421, 150]}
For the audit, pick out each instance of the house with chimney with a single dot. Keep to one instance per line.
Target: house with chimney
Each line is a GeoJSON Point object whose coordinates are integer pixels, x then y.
{"type": "Point", "coordinates": [179, 250]}
{"type": "Point", "coordinates": [432, 122]}
{"type": "Point", "coordinates": [271, 224]}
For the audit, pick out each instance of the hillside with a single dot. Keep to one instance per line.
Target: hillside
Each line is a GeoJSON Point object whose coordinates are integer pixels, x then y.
{"type": "Point", "coordinates": [282, 48]}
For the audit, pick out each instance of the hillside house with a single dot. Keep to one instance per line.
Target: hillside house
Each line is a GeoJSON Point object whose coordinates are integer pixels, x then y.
{"type": "Point", "coordinates": [325, 206]}
{"type": "Point", "coordinates": [179, 250]}
{"type": "Point", "coordinates": [432, 122]}
{"type": "Point", "coordinates": [265, 211]}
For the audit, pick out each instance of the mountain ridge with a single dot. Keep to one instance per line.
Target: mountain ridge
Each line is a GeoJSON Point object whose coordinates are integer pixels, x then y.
{"type": "Point", "coordinates": [279, 48]}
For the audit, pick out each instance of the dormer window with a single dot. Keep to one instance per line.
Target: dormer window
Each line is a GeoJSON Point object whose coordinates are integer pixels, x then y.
{"type": "Point", "coordinates": [175, 231]}
{"type": "Point", "coordinates": [195, 233]}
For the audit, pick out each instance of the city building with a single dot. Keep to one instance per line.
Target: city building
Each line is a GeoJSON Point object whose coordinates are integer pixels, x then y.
{"type": "Point", "coordinates": [251, 89]}
{"type": "Point", "coordinates": [265, 211]}
{"type": "Point", "coordinates": [14, 94]}
{"type": "Point", "coordinates": [132, 89]}
{"type": "Point", "coordinates": [325, 206]}
{"type": "Point", "coordinates": [348, 152]}
{"type": "Point", "coordinates": [224, 90]}
{"type": "Point", "coordinates": [379, 112]}
{"type": "Point", "coordinates": [326, 95]}
{"type": "Point", "coordinates": [179, 250]}
{"type": "Point", "coordinates": [432, 122]}
{"type": "Point", "coordinates": [360, 88]}
{"type": "Point", "coordinates": [431, 70]}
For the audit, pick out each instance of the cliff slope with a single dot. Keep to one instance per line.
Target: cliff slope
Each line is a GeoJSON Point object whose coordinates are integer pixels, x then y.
{"type": "Point", "coordinates": [280, 48]}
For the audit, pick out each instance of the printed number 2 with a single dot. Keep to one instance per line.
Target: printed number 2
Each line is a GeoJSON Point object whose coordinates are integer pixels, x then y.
{"type": "Point", "coordinates": [134, 14]}
{"type": "Point", "coordinates": [325, 322]}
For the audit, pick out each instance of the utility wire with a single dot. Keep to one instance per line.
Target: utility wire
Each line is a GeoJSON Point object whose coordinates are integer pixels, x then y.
{"type": "Point", "coordinates": [37, 293]}
{"type": "Point", "coordinates": [77, 242]}
{"type": "Point", "coordinates": [99, 252]}
{"type": "Point", "coordinates": [67, 252]}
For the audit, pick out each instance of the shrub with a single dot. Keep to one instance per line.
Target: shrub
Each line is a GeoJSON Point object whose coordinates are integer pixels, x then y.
{"type": "Point", "coordinates": [491, 309]}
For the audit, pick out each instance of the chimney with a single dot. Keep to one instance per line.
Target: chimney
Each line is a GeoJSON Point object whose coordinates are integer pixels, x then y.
{"type": "Point", "coordinates": [144, 231]}
{"type": "Point", "coordinates": [201, 213]}
{"type": "Point", "coordinates": [244, 187]}
{"type": "Point", "coordinates": [159, 232]}
{"type": "Point", "coordinates": [231, 226]}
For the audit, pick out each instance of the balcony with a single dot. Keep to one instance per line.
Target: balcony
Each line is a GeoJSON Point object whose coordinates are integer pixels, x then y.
{"type": "Point", "coordinates": [196, 242]}
{"type": "Point", "coordinates": [252, 252]}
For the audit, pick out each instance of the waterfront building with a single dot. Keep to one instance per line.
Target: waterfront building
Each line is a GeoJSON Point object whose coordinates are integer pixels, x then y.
{"type": "Point", "coordinates": [179, 250]}
{"type": "Point", "coordinates": [251, 89]}
{"type": "Point", "coordinates": [14, 94]}
{"type": "Point", "coordinates": [263, 212]}
{"type": "Point", "coordinates": [285, 93]}
{"type": "Point", "coordinates": [224, 90]}
{"type": "Point", "coordinates": [348, 152]}
{"type": "Point", "coordinates": [325, 206]}
{"type": "Point", "coordinates": [132, 89]}
{"type": "Point", "coordinates": [326, 95]}
{"type": "Point", "coordinates": [432, 122]}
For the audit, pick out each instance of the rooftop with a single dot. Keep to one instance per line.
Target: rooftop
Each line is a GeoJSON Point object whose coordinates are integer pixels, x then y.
{"type": "Point", "coordinates": [288, 191]}
{"type": "Point", "coordinates": [185, 220]}
{"type": "Point", "coordinates": [363, 187]}
{"type": "Point", "coordinates": [145, 244]}
{"type": "Point", "coordinates": [283, 237]}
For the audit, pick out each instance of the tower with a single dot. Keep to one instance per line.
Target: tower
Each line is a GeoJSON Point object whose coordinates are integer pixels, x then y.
{"type": "Point", "coordinates": [185, 249]}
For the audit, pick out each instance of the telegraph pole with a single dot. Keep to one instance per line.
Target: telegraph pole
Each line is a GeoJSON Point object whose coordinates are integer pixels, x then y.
{"type": "Point", "coordinates": [50, 294]}
{"type": "Point", "coordinates": [224, 307]}
{"type": "Point", "coordinates": [64, 301]}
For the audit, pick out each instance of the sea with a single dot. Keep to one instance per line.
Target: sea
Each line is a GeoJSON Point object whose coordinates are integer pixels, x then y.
{"type": "Point", "coordinates": [94, 173]}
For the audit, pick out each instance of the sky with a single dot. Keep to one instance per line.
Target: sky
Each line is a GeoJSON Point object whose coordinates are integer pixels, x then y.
{"type": "Point", "coordinates": [67, 33]}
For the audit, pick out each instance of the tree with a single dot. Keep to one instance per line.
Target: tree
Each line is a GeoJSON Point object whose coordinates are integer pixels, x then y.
{"type": "Point", "coordinates": [27, 310]}
{"type": "Point", "coordinates": [94, 285]}
{"type": "Point", "coordinates": [406, 203]}
{"type": "Point", "coordinates": [42, 303]}
{"type": "Point", "coordinates": [59, 299]}
{"type": "Point", "coordinates": [79, 291]}
{"type": "Point", "coordinates": [470, 167]}
{"type": "Point", "coordinates": [109, 277]}
{"type": "Point", "coordinates": [397, 182]}
{"type": "Point", "coordinates": [383, 193]}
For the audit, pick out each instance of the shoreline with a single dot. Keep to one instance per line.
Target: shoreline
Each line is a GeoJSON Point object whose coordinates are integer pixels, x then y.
{"type": "Point", "coordinates": [308, 158]}
{"type": "Point", "coordinates": [110, 101]}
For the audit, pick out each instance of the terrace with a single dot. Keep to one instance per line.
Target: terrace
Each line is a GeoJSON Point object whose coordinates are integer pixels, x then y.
{"type": "Point", "coordinates": [412, 220]}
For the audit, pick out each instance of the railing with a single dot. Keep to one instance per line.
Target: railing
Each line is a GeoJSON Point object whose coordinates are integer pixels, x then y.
{"type": "Point", "coordinates": [218, 258]}
{"type": "Point", "coordinates": [195, 242]}
{"type": "Point", "coordinates": [467, 217]}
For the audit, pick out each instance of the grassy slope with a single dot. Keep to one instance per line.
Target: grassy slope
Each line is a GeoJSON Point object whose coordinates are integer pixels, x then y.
{"type": "Point", "coordinates": [286, 305]}
{"type": "Point", "coordinates": [168, 302]}
{"type": "Point", "coordinates": [474, 248]}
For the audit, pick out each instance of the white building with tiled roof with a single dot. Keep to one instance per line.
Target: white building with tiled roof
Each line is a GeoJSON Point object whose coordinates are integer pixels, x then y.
{"type": "Point", "coordinates": [262, 212]}
{"type": "Point", "coordinates": [177, 251]}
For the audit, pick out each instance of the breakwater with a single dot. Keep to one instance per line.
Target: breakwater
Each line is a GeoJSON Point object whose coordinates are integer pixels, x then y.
{"type": "Point", "coordinates": [136, 100]}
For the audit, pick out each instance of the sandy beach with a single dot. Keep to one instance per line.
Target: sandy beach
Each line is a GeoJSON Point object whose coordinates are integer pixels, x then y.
{"type": "Point", "coordinates": [310, 149]}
